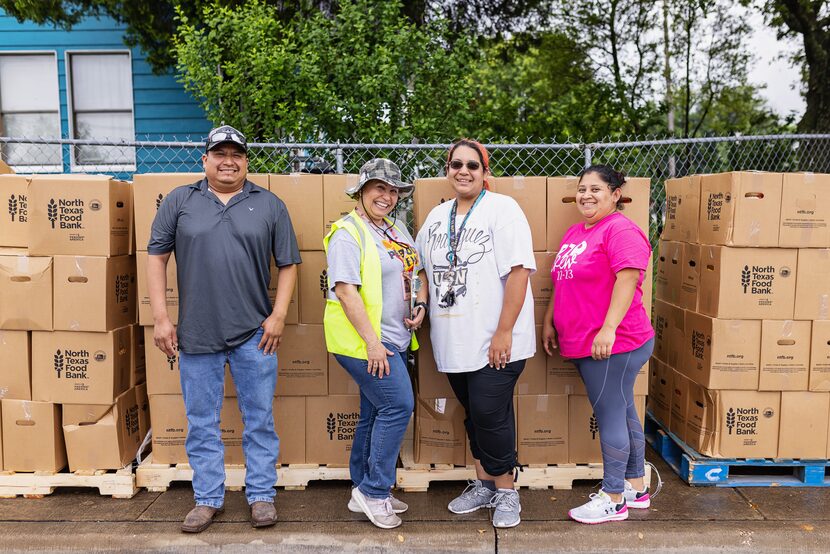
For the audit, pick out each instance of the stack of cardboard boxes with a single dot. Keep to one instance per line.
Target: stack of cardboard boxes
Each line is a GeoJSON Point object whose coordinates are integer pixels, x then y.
{"type": "Point", "coordinates": [70, 382]}
{"type": "Point", "coordinates": [316, 406]}
{"type": "Point", "coordinates": [555, 422]}
{"type": "Point", "coordinates": [741, 314]}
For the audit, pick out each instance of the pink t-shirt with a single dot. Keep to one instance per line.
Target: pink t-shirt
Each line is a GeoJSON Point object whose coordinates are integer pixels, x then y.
{"type": "Point", "coordinates": [584, 274]}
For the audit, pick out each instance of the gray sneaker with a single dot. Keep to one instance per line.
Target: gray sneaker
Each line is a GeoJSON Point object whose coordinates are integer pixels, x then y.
{"type": "Point", "coordinates": [508, 508]}
{"type": "Point", "coordinates": [378, 510]}
{"type": "Point", "coordinates": [475, 496]}
{"type": "Point", "coordinates": [398, 506]}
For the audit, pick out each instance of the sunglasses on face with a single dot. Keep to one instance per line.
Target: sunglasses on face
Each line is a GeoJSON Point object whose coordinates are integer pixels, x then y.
{"type": "Point", "coordinates": [472, 165]}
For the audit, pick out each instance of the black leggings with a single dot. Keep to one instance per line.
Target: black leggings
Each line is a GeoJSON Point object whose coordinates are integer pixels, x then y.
{"type": "Point", "coordinates": [487, 397]}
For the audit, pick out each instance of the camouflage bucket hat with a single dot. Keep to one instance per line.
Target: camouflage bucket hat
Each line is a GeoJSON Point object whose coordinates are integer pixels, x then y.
{"type": "Point", "coordinates": [384, 170]}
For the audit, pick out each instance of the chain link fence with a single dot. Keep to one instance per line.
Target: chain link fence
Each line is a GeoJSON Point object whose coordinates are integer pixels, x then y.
{"type": "Point", "coordinates": [657, 159]}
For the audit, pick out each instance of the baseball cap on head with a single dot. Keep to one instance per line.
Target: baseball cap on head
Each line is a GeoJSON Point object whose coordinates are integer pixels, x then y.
{"type": "Point", "coordinates": [384, 170]}
{"type": "Point", "coordinates": [225, 134]}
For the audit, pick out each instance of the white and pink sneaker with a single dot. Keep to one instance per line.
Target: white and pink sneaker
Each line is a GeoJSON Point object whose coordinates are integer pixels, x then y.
{"type": "Point", "coordinates": [636, 499]}
{"type": "Point", "coordinates": [599, 510]}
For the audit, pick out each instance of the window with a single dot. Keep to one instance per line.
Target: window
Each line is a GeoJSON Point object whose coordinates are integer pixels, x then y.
{"type": "Point", "coordinates": [101, 90]}
{"type": "Point", "coordinates": [29, 108]}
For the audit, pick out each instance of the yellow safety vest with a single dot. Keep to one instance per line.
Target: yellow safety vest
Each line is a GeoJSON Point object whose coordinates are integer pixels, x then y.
{"type": "Point", "coordinates": [341, 336]}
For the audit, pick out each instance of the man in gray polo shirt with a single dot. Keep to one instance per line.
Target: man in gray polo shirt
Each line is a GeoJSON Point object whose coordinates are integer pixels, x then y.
{"type": "Point", "coordinates": [224, 230]}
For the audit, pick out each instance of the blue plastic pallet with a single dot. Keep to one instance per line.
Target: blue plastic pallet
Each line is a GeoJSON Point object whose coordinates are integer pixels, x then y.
{"type": "Point", "coordinates": [699, 470]}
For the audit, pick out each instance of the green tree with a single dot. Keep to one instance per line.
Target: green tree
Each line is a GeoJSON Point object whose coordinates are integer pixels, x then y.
{"type": "Point", "coordinates": [809, 20]}
{"type": "Point", "coordinates": [365, 73]}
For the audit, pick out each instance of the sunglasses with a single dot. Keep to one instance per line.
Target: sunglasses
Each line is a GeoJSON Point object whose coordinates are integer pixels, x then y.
{"type": "Point", "coordinates": [458, 164]}
{"type": "Point", "coordinates": [223, 135]}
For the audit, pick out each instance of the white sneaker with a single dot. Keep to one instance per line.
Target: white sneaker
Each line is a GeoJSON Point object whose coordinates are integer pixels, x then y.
{"type": "Point", "coordinates": [599, 510]}
{"type": "Point", "coordinates": [378, 510]}
{"type": "Point", "coordinates": [642, 499]}
{"type": "Point", "coordinates": [398, 506]}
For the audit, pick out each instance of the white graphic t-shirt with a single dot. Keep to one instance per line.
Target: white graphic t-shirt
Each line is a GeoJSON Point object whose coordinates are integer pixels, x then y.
{"type": "Point", "coordinates": [495, 239]}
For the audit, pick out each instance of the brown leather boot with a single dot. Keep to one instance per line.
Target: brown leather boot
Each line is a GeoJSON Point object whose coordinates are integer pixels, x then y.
{"type": "Point", "coordinates": [199, 519]}
{"type": "Point", "coordinates": [263, 514]}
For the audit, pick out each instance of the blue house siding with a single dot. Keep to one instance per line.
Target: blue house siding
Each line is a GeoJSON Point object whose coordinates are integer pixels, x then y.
{"type": "Point", "coordinates": [162, 109]}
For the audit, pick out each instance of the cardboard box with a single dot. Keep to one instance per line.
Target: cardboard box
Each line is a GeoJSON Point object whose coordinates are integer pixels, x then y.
{"type": "Point", "coordinates": [303, 362]}
{"type": "Point", "coordinates": [660, 391]}
{"type": "Point", "coordinates": [785, 355]}
{"type": "Point", "coordinates": [431, 383]}
{"type": "Point", "coordinates": [804, 422]}
{"type": "Point", "coordinates": [336, 203]}
{"type": "Point", "coordinates": [682, 209]}
{"type": "Point", "coordinates": [669, 333]}
{"type": "Point", "coordinates": [94, 293]}
{"type": "Point", "coordinates": [679, 404]}
{"type": "Point", "coordinates": [805, 210]}
{"type": "Point", "coordinates": [32, 436]}
{"type": "Point", "coordinates": [743, 424]}
{"type": "Point", "coordinates": [106, 442]}
{"type": "Point", "coordinates": [740, 208]}
{"type": "Point", "coordinates": [440, 437]}
{"type": "Point", "coordinates": [669, 276]}
{"type": "Point", "coordinates": [330, 425]}
{"type": "Point", "coordinates": [722, 353]}
{"type": "Point", "coordinates": [143, 409]}
{"type": "Point", "coordinates": [583, 430]}
{"type": "Point", "coordinates": [533, 380]}
{"type": "Point", "coordinates": [563, 377]}
{"type": "Point", "coordinates": [145, 311]}
{"type": "Point", "coordinates": [303, 196]}
{"type": "Point", "coordinates": [690, 276]}
{"type": "Point", "coordinates": [149, 190]}
{"type": "Point", "coordinates": [820, 356]}
{"type": "Point", "coordinates": [26, 293]}
{"type": "Point", "coordinates": [542, 429]}
{"type": "Point", "coordinates": [812, 285]}
{"type": "Point", "coordinates": [138, 358]}
{"type": "Point", "coordinates": [312, 285]}
{"type": "Point", "coordinates": [14, 225]}
{"type": "Point", "coordinates": [699, 432]}
{"type": "Point", "coordinates": [16, 368]}
{"type": "Point", "coordinates": [340, 382]}
{"type": "Point", "coordinates": [80, 367]}
{"type": "Point", "coordinates": [563, 213]}
{"type": "Point", "coordinates": [290, 424]}
{"type": "Point", "coordinates": [429, 193]}
{"type": "Point", "coordinates": [541, 284]}
{"type": "Point", "coordinates": [531, 195]}
{"type": "Point", "coordinates": [1, 438]}
{"type": "Point", "coordinates": [292, 317]}
{"type": "Point", "coordinates": [163, 374]}
{"type": "Point", "coordinates": [80, 215]}
{"type": "Point", "coordinates": [747, 283]}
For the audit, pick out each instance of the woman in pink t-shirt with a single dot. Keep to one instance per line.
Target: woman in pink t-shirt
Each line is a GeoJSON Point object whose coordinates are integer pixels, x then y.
{"type": "Point", "coordinates": [597, 320]}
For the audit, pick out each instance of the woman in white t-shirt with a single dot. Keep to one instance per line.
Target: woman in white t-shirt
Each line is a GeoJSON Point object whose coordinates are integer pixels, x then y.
{"type": "Point", "coordinates": [478, 255]}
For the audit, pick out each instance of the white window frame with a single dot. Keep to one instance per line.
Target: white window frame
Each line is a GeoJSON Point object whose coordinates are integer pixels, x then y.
{"type": "Point", "coordinates": [74, 167]}
{"type": "Point", "coordinates": [41, 168]}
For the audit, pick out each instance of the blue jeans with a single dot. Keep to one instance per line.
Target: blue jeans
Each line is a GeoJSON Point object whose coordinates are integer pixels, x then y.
{"type": "Point", "coordinates": [385, 408]}
{"type": "Point", "coordinates": [255, 376]}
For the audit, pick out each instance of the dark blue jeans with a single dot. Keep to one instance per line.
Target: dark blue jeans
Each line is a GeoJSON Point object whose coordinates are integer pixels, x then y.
{"type": "Point", "coordinates": [385, 408]}
{"type": "Point", "coordinates": [610, 385]}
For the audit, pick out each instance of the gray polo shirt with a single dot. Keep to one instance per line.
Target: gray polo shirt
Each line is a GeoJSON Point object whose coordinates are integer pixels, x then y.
{"type": "Point", "coordinates": [223, 254]}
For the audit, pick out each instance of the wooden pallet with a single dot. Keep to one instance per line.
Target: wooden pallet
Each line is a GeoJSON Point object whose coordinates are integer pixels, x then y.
{"type": "Point", "coordinates": [699, 470]}
{"type": "Point", "coordinates": [414, 477]}
{"type": "Point", "coordinates": [158, 477]}
{"type": "Point", "coordinates": [118, 484]}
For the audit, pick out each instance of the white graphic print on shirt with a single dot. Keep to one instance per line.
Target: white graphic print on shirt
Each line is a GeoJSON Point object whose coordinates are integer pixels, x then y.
{"type": "Point", "coordinates": [567, 258]}
{"type": "Point", "coordinates": [473, 245]}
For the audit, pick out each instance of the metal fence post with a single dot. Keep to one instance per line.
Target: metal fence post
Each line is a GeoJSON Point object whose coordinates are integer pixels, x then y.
{"type": "Point", "coordinates": [588, 155]}
{"type": "Point", "coordinates": [338, 157]}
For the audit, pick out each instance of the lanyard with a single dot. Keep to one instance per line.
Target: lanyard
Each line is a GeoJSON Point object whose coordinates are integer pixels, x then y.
{"type": "Point", "coordinates": [454, 238]}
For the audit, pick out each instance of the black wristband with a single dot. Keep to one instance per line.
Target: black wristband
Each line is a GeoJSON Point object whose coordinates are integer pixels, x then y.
{"type": "Point", "coordinates": [424, 305]}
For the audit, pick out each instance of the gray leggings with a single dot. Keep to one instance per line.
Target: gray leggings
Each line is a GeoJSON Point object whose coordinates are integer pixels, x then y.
{"type": "Point", "coordinates": [610, 385]}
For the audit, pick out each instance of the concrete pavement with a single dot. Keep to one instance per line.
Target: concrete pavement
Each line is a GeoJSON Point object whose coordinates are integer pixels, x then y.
{"type": "Point", "coordinates": [682, 519]}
